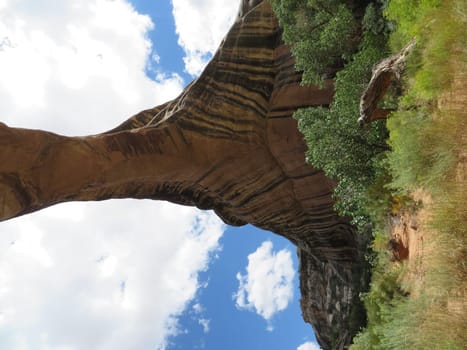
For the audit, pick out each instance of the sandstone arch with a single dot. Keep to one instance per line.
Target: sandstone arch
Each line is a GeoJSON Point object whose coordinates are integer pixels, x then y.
{"type": "Point", "coordinates": [227, 143]}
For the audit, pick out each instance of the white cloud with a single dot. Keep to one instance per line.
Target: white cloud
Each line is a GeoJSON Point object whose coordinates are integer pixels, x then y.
{"type": "Point", "coordinates": [198, 308]}
{"type": "Point", "coordinates": [116, 279]}
{"type": "Point", "coordinates": [309, 346]}
{"type": "Point", "coordinates": [267, 286]}
{"type": "Point", "coordinates": [205, 324]}
{"type": "Point", "coordinates": [110, 275]}
{"type": "Point", "coordinates": [201, 25]}
{"type": "Point", "coordinates": [64, 64]}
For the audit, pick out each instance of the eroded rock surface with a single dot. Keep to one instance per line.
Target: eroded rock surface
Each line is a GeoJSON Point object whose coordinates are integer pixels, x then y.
{"type": "Point", "coordinates": [227, 143]}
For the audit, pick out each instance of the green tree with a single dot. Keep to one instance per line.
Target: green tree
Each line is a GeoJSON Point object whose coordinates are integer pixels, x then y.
{"type": "Point", "coordinates": [323, 36]}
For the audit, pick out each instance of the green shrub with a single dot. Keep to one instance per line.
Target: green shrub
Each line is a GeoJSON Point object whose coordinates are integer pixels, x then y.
{"type": "Point", "coordinates": [336, 144]}
{"type": "Point", "coordinates": [440, 30]}
{"type": "Point", "coordinates": [421, 155]}
{"type": "Point", "coordinates": [322, 34]}
{"type": "Point", "coordinates": [384, 298]}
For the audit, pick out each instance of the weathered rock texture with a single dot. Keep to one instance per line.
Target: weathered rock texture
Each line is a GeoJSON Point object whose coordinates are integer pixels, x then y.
{"type": "Point", "coordinates": [383, 74]}
{"type": "Point", "coordinates": [227, 143]}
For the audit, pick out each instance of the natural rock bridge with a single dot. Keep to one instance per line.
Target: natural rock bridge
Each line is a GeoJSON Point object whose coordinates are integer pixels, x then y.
{"type": "Point", "coordinates": [227, 143]}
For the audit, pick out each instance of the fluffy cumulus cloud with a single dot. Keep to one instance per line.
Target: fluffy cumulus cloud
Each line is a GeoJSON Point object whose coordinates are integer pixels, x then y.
{"type": "Point", "coordinates": [101, 275]}
{"type": "Point", "coordinates": [201, 26]}
{"type": "Point", "coordinates": [111, 275]}
{"type": "Point", "coordinates": [267, 286]}
{"type": "Point", "coordinates": [309, 346]}
{"type": "Point", "coordinates": [76, 66]}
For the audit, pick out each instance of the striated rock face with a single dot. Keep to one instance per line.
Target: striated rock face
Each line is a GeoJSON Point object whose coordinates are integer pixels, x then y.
{"type": "Point", "coordinates": [227, 143]}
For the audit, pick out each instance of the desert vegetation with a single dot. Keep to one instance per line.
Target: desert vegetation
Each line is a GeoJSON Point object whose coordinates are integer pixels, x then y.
{"type": "Point", "coordinates": [414, 302]}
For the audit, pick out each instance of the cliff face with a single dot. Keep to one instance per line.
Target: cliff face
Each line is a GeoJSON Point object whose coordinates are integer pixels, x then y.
{"type": "Point", "coordinates": [227, 143]}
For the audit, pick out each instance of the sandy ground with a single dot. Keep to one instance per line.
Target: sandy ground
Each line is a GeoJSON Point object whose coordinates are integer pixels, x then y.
{"type": "Point", "coordinates": [410, 234]}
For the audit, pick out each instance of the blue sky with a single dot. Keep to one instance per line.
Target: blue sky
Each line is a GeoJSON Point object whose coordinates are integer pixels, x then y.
{"type": "Point", "coordinates": [231, 328]}
{"type": "Point", "coordinates": [128, 274]}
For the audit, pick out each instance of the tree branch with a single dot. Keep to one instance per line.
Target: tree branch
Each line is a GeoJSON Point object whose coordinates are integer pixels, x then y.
{"type": "Point", "coordinates": [382, 75]}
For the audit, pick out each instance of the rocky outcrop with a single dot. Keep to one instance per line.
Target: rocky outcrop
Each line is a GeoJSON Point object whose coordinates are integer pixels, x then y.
{"type": "Point", "coordinates": [227, 143]}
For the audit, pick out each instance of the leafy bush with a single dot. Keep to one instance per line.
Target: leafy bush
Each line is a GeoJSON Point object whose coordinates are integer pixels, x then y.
{"type": "Point", "coordinates": [323, 34]}
{"type": "Point", "coordinates": [336, 144]}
